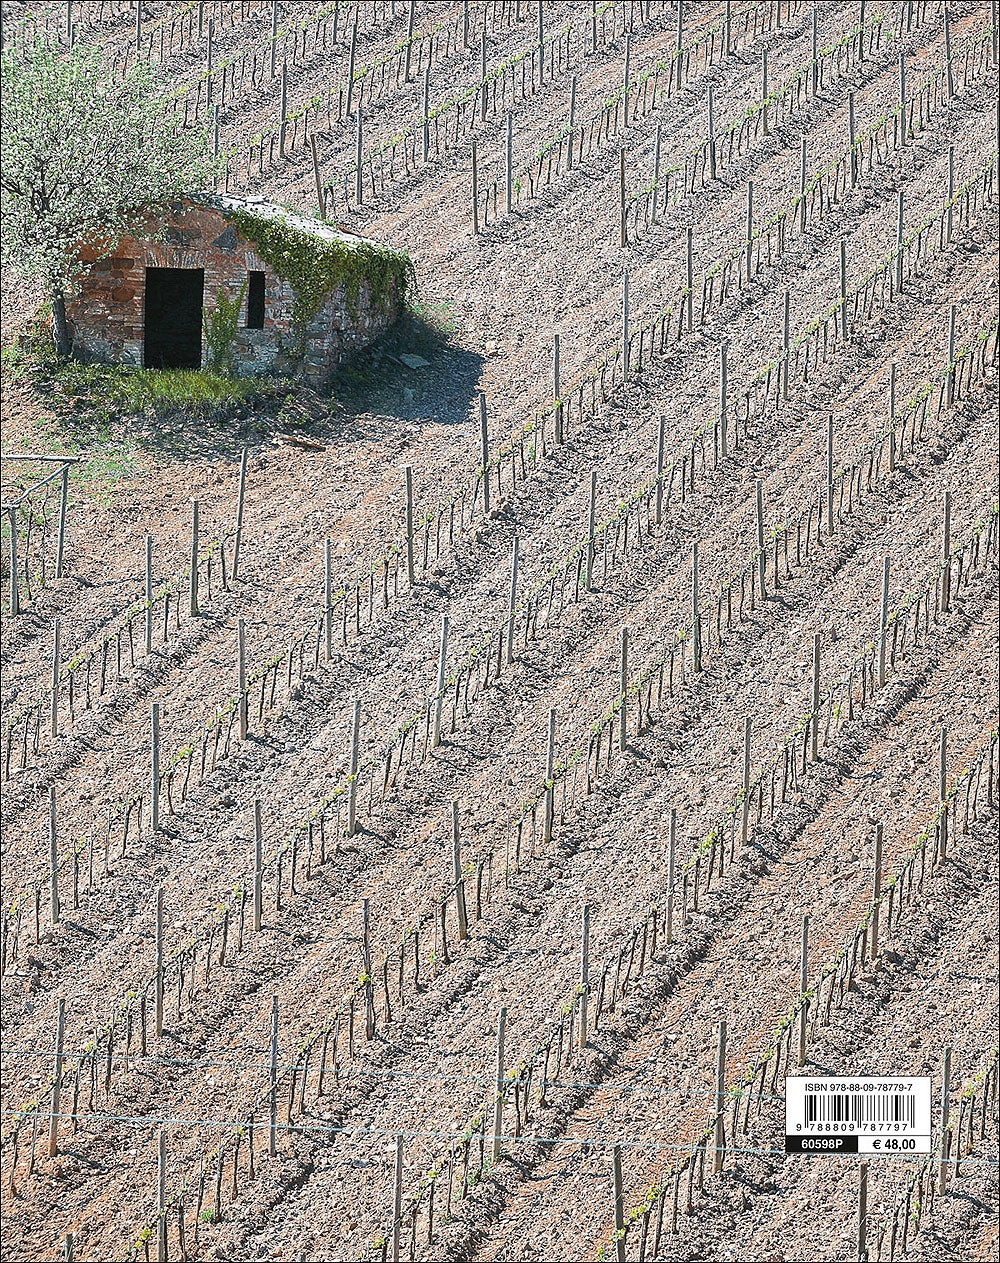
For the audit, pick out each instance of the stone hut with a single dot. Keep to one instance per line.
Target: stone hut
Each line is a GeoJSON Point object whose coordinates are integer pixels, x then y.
{"type": "Point", "coordinates": [309, 294]}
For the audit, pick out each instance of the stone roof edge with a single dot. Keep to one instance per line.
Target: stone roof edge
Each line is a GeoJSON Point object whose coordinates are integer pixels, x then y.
{"type": "Point", "coordinates": [264, 210]}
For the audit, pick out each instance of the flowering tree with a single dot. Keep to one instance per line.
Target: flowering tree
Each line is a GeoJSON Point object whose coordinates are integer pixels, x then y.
{"type": "Point", "coordinates": [84, 159]}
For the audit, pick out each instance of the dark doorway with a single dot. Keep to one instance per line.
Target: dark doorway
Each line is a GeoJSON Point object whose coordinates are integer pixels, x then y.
{"type": "Point", "coordinates": [174, 298]}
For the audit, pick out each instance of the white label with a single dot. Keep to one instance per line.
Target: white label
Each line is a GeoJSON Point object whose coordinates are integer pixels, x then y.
{"type": "Point", "coordinates": [878, 1116]}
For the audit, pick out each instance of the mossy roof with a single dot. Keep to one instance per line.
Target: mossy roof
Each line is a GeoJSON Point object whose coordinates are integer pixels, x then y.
{"type": "Point", "coordinates": [271, 212]}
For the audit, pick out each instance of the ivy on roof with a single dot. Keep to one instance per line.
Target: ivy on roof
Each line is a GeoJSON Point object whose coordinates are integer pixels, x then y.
{"type": "Point", "coordinates": [315, 266]}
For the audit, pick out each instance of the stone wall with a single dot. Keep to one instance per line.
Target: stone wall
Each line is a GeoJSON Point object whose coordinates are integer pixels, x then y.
{"type": "Point", "coordinates": [106, 313]}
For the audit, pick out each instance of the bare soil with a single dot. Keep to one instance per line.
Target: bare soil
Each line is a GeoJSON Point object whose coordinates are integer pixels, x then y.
{"type": "Point", "coordinates": [646, 1079]}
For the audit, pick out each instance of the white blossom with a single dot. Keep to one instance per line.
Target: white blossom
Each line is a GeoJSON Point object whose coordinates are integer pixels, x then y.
{"type": "Point", "coordinates": [85, 159]}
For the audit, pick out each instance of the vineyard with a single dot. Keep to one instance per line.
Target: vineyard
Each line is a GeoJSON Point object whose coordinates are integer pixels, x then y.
{"type": "Point", "coordinates": [439, 818]}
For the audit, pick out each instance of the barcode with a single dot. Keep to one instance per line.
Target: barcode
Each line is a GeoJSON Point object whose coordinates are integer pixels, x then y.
{"type": "Point", "coordinates": [887, 1116]}
{"type": "Point", "coordinates": [861, 1107]}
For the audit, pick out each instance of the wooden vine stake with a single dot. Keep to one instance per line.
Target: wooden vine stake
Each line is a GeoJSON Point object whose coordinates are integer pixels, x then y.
{"type": "Point", "coordinates": [892, 416]}
{"type": "Point", "coordinates": [624, 710]}
{"type": "Point", "coordinates": [745, 815]}
{"type": "Point", "coordinates": [274, 37]}
{"type": "Point", "coordinates": [409, 39]}
{"type": "Point", "coordinates": [158, 971]}
{"type": "Point", "coordinates": [943, 794]}
{"type": "Point", "coordinates": [883, 622]}
{"type": "Point", "coordinates": [625, 316]}
{"type": "Point", "coordinates": [946, 553]}
{"type": "Point", "coordinates": [193, 577]}
{"type": "Point", "coordinates": [57, 1070]}
{"type": "Point", "coordinates": [154, 766]}
{"type": "Point", "coordinates": [657, 148]}
{"type": "Point", "coordinates": [761, 554]}
{"type": "Point", "coordinates": [241, 675]}
{"type": "Point", "coordinates": [439, 698]}
{"type": "Point", "coordinates": [591, 528]}
{"type": "Point", "coordinates": [803, 986]}
{"type": "Point", "coordinates": [149, 596]}
{"type": "Point", "coordinates": [317, 179]}
{"type": "Point", "coordinates": [161, 1195]}
{"type": "Point", "coordinates": [241, 492]}
{"type": "Point", "coordinates": [723, 412]}
{"type": "Point", "coordinates": [512, 603]}
{"type": "Point", "coordinates": [844, 329]}
{"type": "Point", "coordinates": [550, 789]}
{"type": "Point", "coordinates": [947, 52]}
{"type": "Point", "coordinates": [272, 1133]}
{"type": "Point", "coordinates": [358, 153]}
{"type": "Point", "coordinates": [815, 50]}
{"type": "Point", "coordinates": [720, 1099]}
{"type": "Point", "coordinates": [942, 1180]}
{"type": "Point", "coordinates": [484, 444]}
{"type": "Point", "coordinates": [584, 973]}
{"type": "Point", "coordinates": [671, 853]}
{"type": "Point", "coordinates": [616, 1184]}
{"type": "Point", "coordinates": [427, 113]}
{"type": "Point", "coordinates": [695, 613]}
{"type": "Point", "coordinates": [53, 860]}
{"type": "Point", "coordinates": [366, 965]}
{"type": "Point", "coordinates": [485, 93]}
{"type": "Point", "coordinates": [351, 58]}
{"type": "Point", "coordinates": [328, 596]}
{"type": "Point", "coordinates": [456, 862]}
{"type": "Point", "coordinates": [829, 475]}
{"type": "Point", "coordinates": [509, 190]}
{"type": "Point", "coordinates": [556, 394]}
{"type": "Point", "coordinates": [689, 277]}
{"type": "Point", "coordinates": [498, 1099]}
{"type": "Point", "coordinates": [258, 866]}
{"type": "Point", "coordinates": [626, 78]}
{"type": "Point", "coordinates": [863, 1212]}
{"type": "Point", "coordinates": [54, 694]}
{"type": "Point", "coordinates": [397, 1198]}
{"type": "Point", "coordinates": [876, 893]}
{"type": "Point", "coordinates": [814, 725]}
{"type": "Point", "coordinates": [409, 526]}
{"type": "Point", "coordinates": [352, 791]}
{"type": "Point", "coordinates": [475, 189]}
{"type": "Point", "coordinates": [622, 202]}
{"type": "Point", "coordinates": [711, 134]}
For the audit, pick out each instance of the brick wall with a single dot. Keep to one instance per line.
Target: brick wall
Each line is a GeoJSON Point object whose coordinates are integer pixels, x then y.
{"type": "Point", "coordinates": [106, 314]}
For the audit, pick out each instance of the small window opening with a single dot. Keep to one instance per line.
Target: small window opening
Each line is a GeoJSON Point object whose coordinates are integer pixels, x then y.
{"type": "Point", "coordinates": [255, 300]}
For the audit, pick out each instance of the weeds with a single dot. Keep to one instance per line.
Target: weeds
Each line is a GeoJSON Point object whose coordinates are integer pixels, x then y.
{"type": "Point", "coordinates": [221, 326]}
{"type": "Point", "coordinates": [148, 391]}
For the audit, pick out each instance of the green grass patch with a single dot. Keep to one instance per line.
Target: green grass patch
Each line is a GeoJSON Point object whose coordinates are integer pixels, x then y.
{"type": "Point", "coordinates": [111, 391]}
{"type": "Point", "coordinates": [437, 318]}
{"type": "Point", "coordinates": [154, 392]}
{"type": "Point", "coordinates": [127, 421]}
